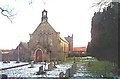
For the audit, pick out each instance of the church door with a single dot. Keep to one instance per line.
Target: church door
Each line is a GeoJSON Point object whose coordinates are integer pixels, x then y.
{"type": "Point", "coordinates": [38, 56]}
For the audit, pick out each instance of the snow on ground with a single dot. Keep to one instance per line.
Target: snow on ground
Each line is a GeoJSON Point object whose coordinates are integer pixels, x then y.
{"type": "Point", "coordinates": [56, 71]}
{"type": "Point", "coordinates": [82, 72]}
{"type": "Point", "coordinates": [25, 71]}
{"type": "Point", "coordinates": [11, 64]}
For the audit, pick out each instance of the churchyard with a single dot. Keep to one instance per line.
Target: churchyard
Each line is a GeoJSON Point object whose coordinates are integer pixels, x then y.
{"type": "Point", "coordinates": [73, 67]}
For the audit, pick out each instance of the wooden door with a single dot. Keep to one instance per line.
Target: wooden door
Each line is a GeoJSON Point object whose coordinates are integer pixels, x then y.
{"type": "Point", "coordinates": [38, 56]}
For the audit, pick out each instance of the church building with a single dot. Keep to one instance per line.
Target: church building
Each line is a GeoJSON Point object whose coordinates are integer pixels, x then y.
{"type": "Point", "coordinates": [46, 44]}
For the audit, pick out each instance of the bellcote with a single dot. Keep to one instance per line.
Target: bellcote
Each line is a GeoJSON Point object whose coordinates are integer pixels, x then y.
{"type": "Point", "coordinates": [44, 16]}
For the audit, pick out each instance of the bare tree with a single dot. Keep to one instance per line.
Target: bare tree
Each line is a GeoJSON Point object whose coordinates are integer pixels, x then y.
{"type": "Point", "coordinates": [100, 4]}
{"type": "Point", "coordinates": [9, 12]}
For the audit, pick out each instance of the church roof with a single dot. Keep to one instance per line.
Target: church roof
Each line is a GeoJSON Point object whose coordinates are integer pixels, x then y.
{"type": "Point", "coordinates": [5, 51]}
{"type": "Point", "coordinates": [63, 38]}
{"type": "Point", "coordinates": [45, 26]}
{"type": "Point", "coordinates": [24, 44]}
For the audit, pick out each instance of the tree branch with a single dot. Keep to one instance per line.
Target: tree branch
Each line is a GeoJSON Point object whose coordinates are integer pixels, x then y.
{"type": "Point", "coordinates": [100, 4]}
{"type": "Point", "coordinates": [7, 13]}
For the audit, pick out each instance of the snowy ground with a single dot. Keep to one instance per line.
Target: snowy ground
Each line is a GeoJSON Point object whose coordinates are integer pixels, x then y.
{"type": "Point", "coordinates": [11, 64]}
{"type": "Point", "coordinates": [25, 71]}
{"type": "Point", "coordinates": [82, 72]}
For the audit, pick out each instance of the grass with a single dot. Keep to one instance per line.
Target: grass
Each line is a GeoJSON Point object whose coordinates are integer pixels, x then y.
{"type": "Point", "coordinates": [95, 67]}
{"type": "Point", "coordinates": [98, 68]}
{"type": "Point", "coordinates": [68, 60]}
{"type": "Point", "coordinates": [77, 59]}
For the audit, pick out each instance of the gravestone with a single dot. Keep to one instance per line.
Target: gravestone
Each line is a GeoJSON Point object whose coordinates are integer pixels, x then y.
{"type": "Point", "coordinates": [3, 76]}
{"type": "Point", "coordinates": [32, 64]}
{"type": "Point", "coordinates": [61, 75]}
{"type": "Point", "coordinates": [55, 62]}
{"type": "Point", "coordinates": [71, 70]}
{"type": "Point", "coordinates": [59, 62]}
{"type": "Point", "coordinates": [50, 66]}
{"type": "Point", "coordinates": [67, 74]}
{"type": "Point", "coordinates": [74, 59]}
{"type": "Point", "coordinates": [74, 68]}
{"type": "Point", "coordinates": [40, 71]}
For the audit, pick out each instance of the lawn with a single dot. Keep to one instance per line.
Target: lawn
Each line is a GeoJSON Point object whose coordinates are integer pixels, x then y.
{"type": "Point", "coordinates": [95, 67]}
{"type": "Point", "coordinates": [101, 68]}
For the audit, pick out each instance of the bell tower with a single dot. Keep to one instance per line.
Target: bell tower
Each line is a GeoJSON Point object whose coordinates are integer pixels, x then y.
{"type": "Point", "coordinates": [44, 16]}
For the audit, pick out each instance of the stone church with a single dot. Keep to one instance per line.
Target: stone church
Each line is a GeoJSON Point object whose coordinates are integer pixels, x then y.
{"type": "Point", "coordinates": [46, 44]}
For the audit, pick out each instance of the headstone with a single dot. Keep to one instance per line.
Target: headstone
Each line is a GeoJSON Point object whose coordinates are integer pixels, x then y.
{"type": "Point", "coordinates": [50, 66]}
{"type": "Point", "coordinates": [61, 75]}
{"type": "Point", "coordinates": [77, 59]}
{"type": "Point", "coordinates": [71, 70]}
{"type": "Point", "coordinates": [67, 74]}
{"type": "Point", "coordinates": [41, 69]}
{"type": "Point", "coordinates": [74, 68]}
{"type": "Point", "coordinates": [55, 63]}
{"type": "Point", "coordinates": [3, 76]}
{"type": "Point", "coordinates": [59, 62]}
{"type": "Point", "coordinates": [74, 59]}
{"type": "Point", "coordinates": [31, 64]}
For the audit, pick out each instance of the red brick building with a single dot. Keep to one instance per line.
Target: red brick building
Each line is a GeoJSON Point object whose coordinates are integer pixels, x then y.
{"type": "Point", "coordinates": [5, 55]}
{"type": "Point", "coordinates": [79, 49]}
{"type": "Point", "coordinates": [21, 52]}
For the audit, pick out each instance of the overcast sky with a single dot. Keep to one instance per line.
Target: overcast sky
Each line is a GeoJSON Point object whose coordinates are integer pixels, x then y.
{"type": "Point", "coordinates": [65, 16]}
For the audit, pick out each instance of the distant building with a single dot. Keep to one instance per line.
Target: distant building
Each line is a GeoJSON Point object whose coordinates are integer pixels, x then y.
{"type": "Point", "coordinates": [79, 49]}
{"type": "Point", "coordinates": [70, 41]}
{"type": "Point", "coordinates": [21, 52]}
{"type": "Point", "coordinates": [5, 55]}
{"type": "Point", "coordinates": [46, 44]}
